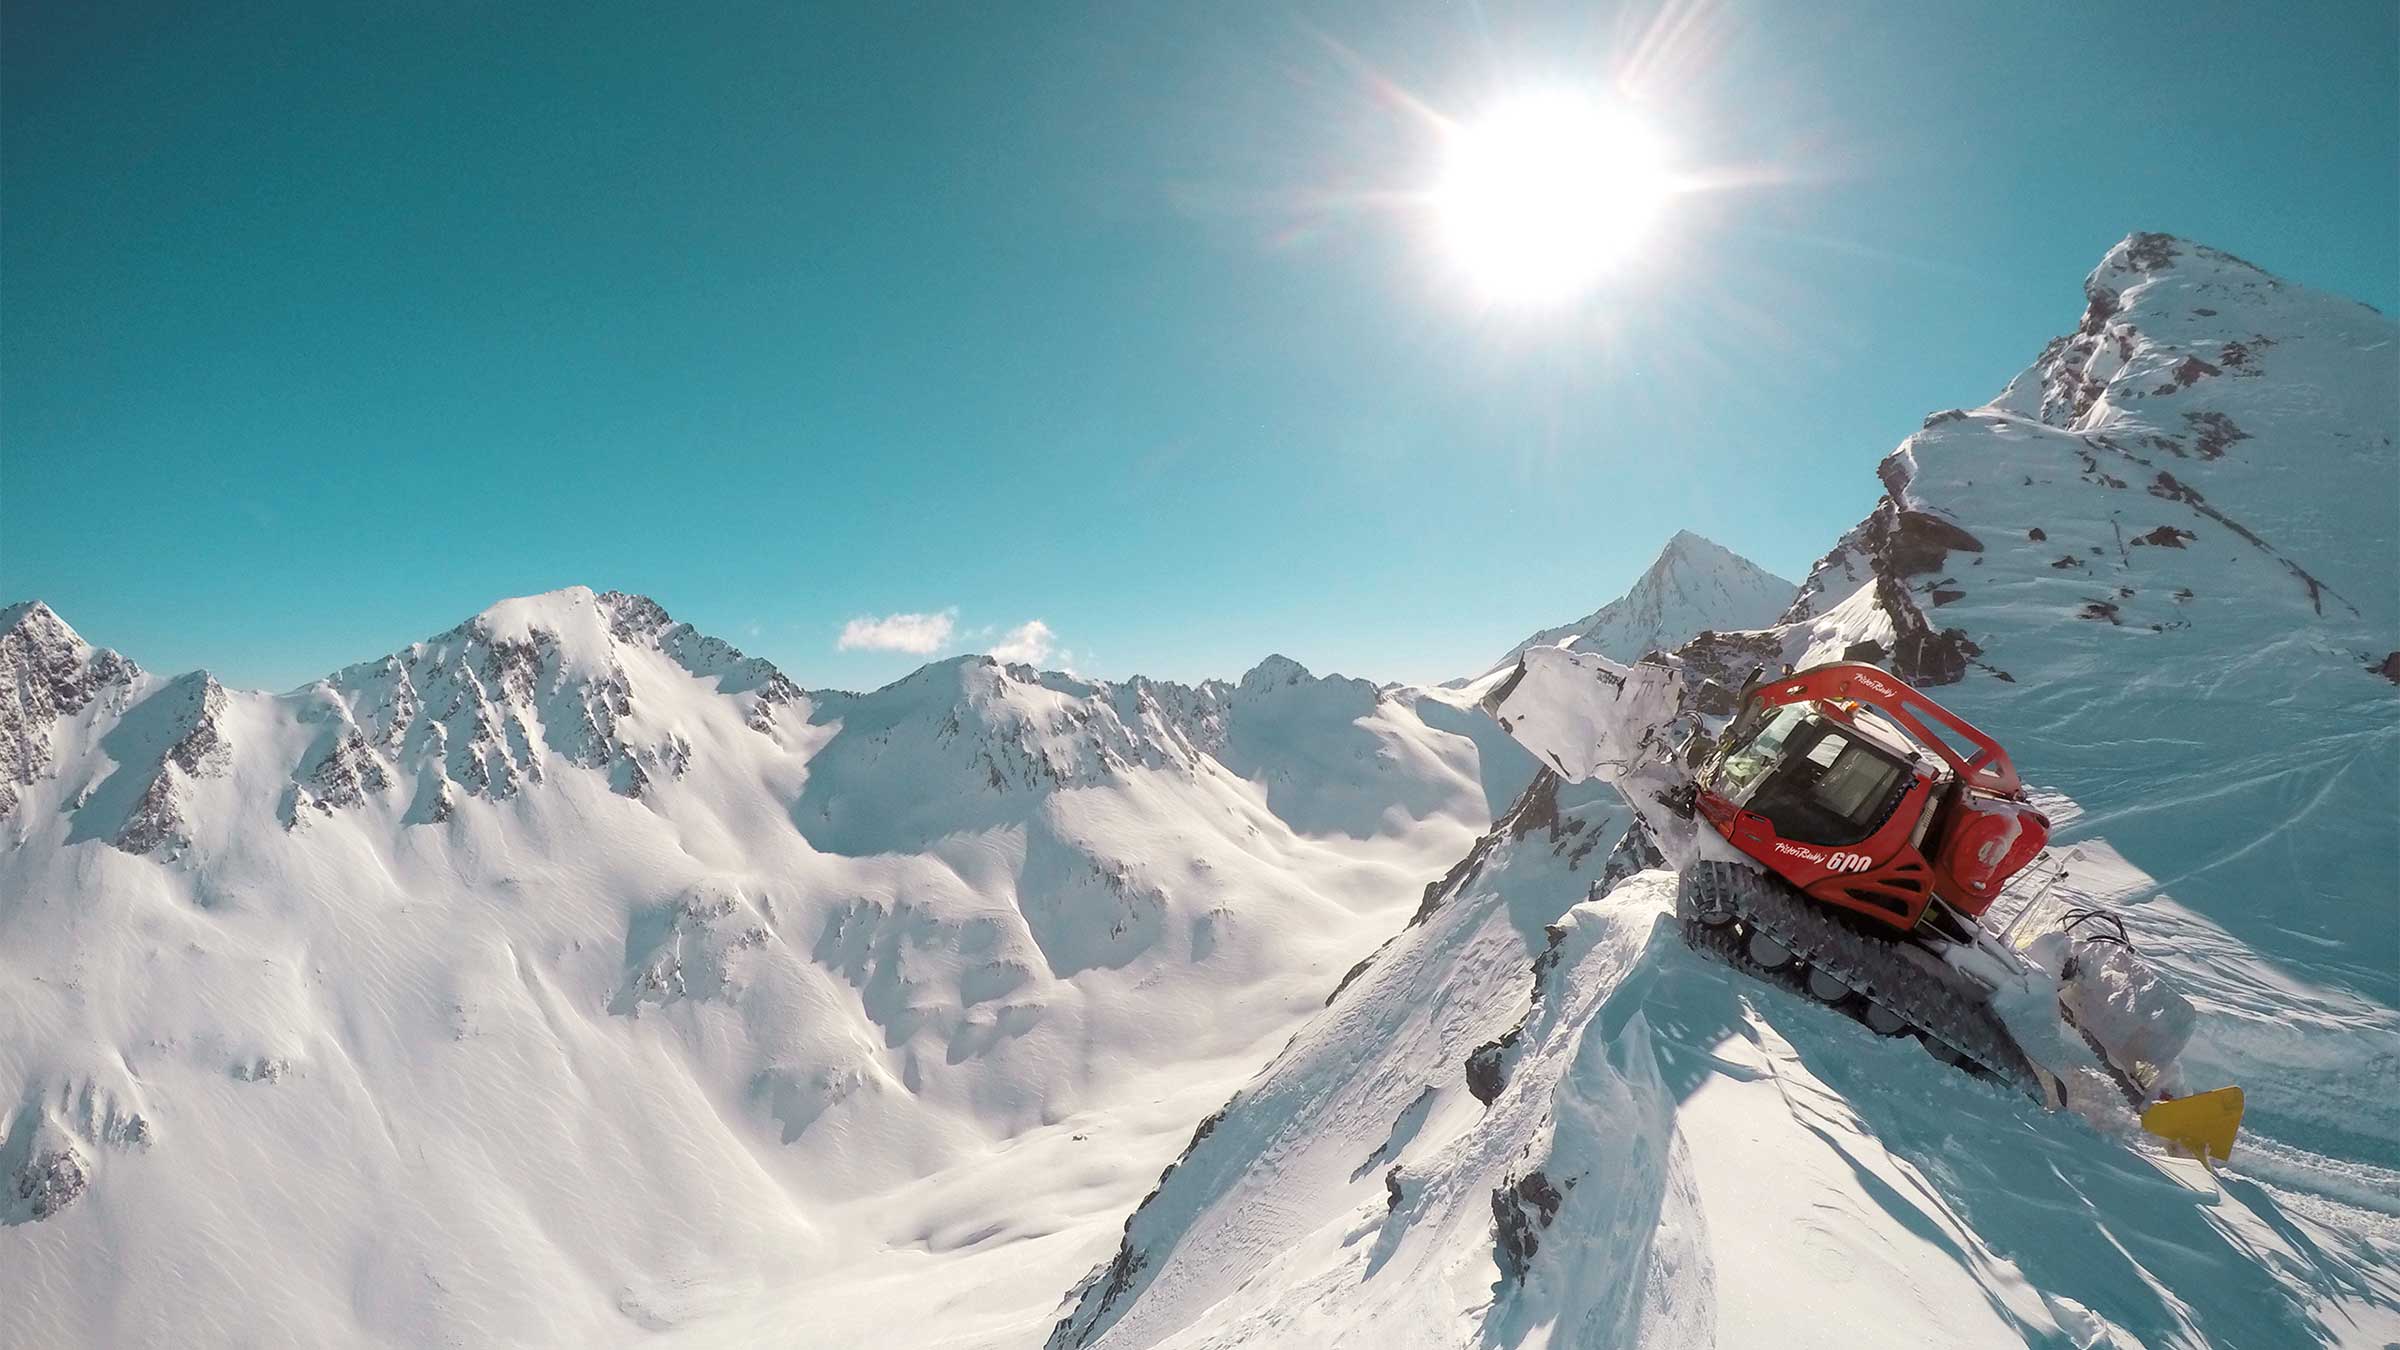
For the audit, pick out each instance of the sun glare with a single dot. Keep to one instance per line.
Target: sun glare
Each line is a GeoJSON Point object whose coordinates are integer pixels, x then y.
{"type": "Point", "coordinates": [1549, 194]}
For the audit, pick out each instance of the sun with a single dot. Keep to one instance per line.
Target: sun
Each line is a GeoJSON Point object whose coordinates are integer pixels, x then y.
{"type": "Point", "coordinates": [1549, 194]}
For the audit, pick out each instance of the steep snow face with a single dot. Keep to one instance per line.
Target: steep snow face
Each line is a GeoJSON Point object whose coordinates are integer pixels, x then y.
{"type": "Point", "coordinates": [1695, 586]}
{"type": "Point", "coordinates": [1575, 1131]}
{"type": "Point", "coordinates": [2162, 567]}
{"type": "Point", "coordinates": [1281, 1170]}
{"type": "Point", "coordinates": [570, 976]}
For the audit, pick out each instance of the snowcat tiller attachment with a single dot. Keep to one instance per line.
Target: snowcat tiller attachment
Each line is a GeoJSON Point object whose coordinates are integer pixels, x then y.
{"type": "Point", "coordinates": [2202, 1124]}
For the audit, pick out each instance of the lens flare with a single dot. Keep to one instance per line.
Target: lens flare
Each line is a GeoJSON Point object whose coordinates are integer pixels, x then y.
{"type": "Point", "coordinates": [1548, 194]}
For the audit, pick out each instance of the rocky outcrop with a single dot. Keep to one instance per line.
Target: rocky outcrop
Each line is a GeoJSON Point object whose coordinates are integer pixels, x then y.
{"type": "Point", "coordinates": [487, 708]}
{"type": "Point", "coordinates": [1520, 1211]}
{"type": "Point", "coordinates": [49, 1181]}
{"type": "Point", "coordinates": [47, 672]}
{"type": "Point", "coordinates": [191, 711]}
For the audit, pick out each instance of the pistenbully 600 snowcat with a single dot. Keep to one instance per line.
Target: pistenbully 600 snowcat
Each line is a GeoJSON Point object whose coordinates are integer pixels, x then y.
{"type": "Point", "coordinates": [1887, 841]}
{"type": "Point", "coordinates": [1847, 837]}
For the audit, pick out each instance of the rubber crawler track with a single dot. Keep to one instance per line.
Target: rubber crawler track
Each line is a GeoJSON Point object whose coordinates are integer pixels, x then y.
{"type": "Point", "coordinates": [1950, 1011]}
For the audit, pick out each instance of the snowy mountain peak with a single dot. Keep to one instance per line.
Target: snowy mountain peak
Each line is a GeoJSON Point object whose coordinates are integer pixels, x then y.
{"type": "Point", "coordinates": [1693, 586]}
{"type": "Point", "coordinates": [597, 680]}
{"type": "Point", "coordinates": [1277, 671]}
{"type": "Point", "coordinates": [38, 621]}
{"type": "Point", "coordinates": [2211, 445]}
{"type": "Point", "coordinates": [47, 673]}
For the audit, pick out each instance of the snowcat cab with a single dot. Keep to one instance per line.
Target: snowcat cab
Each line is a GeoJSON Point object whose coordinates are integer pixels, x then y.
{"type": "Point", "coordinates": [1835, 779]}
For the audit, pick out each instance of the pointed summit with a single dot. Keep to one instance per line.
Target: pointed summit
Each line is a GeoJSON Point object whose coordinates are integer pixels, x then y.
{"type": "Point", "coordinates": [47, 671]}
{"type": "Point", "coordinates": [1695, 585]}
{"type": "Point", "coordinates": [1273, 672]}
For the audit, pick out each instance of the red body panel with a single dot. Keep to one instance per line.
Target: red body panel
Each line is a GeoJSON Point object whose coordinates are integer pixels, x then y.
{"type": "Point", "coordinates": [1985, 841]}
{"type": "Point", "coordinates": [1982, 832]}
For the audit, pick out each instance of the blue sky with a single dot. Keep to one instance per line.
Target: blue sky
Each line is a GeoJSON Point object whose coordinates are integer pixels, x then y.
{"type": "Point", "coordinates": [322, 327]}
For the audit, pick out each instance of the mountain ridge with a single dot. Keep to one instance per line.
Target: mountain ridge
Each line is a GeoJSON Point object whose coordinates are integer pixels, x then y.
{"type": "Point", "coordinates": [1693, 585]}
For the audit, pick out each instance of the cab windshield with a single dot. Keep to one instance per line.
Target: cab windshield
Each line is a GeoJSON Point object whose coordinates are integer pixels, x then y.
{"type": "Point", "coordinates": [1814, 781]}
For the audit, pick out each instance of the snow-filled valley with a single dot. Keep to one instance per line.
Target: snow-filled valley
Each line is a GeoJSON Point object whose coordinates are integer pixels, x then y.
{"type": "Point", "coordinates": [572, 978]}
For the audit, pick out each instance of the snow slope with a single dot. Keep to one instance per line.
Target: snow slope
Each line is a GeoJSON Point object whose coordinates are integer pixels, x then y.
{"type": "Point", "coordinates": [2163, 567]}
{"type": "Point", "coordinates": [2183, 635]}
{"type": "Point", "coordinates": [569, 976]}
{"type": "Point", "coordinates": [1694, 586]}
{"type": "Point", "coordinates": [1673, 1156]}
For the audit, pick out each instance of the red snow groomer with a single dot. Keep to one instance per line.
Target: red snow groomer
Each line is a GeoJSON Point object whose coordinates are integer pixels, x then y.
{"type": "Point", "coordinates": [1856, 816]}
{"type": "Point", "coordinates": [1886, 826]}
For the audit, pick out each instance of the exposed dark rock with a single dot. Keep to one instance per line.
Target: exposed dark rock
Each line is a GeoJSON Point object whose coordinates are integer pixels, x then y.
{"type": "Point", "coordinates": [1635, 852]}
{"type": "Point", "coordinates": [1926, 657]}
{"type": "Point", "coordinates": [2388, 667]}
{"type": "Point", "coordinates": [2190, 371]}
{"type": "Point", "coordinates": [2100, 306]}
{"type": "Point", "coordinates": [2099, 609]}
{"type": "Point", "coordinates": [2214, 433]}
{"type": "Point", "coordinates": [1115, 1280]}
{"type": "Point", "coordinates": [1355, 972]}
{"type": "Point", "coordinates": [345, 773]}
{"type": "Point", "coordinates": [1520, 1211]}
{"type": "Point", "coordinates": [1942, 597]}
{"type": "Point", "coordinates": [2169, 487]}
{"type": "Point", "coordinates": [1900, 544]}
{"type": "Point", "coordinates": [2165, 536]}
{"type": "Point", "coordinates": [49, 1181]}
{"type": "Point", "coordinates": [1869, 651]}
{"type": "Point", "coordinates": [1917, 543]}
{"type": "Point", "coordinates": [2150, 251]}
{"type": "Point", "coordinates": [2068, 560]}
{"type": "Point", "coordinates": [1536, 809]}
{"type": "Point", "coordinates": [1460, 873]}
{"type": "Point", "coordinates": [1487, 1065]}
{"type": "Point", "coordinates": [1717, 665]}
{"type": "Point", "coordinates": [2037, 534]}
{"type": "Point", "coordinates": [46, 672]}
{"type": "Point", "coordinates": [1391, 1189]}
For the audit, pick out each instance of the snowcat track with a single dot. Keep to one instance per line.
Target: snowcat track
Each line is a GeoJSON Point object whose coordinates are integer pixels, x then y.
{"type": "Point", "coordinates": [1954, 1014]}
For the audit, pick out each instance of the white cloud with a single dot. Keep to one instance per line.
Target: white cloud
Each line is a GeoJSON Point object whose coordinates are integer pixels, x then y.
{"type": "Point", "coordinates": [916, 634]}
{"type": "Point", "coordinates": [1030, 643]}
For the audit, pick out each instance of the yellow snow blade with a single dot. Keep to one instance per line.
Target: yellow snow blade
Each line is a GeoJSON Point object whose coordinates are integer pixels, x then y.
{"type": "Point", "coordinates": [2202, 1124]}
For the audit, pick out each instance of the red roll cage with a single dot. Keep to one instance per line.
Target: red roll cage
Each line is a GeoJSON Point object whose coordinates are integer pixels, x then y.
{"type": "Point", "coordinates": [1987, 769]}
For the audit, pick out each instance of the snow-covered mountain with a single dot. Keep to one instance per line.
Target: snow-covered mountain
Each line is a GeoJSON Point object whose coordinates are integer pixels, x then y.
{"type": "Point", "coordinates": [2161, 568]}
{"type": "Point", "coordinates": [570, 974]}
{"type": "Point", "coordinates": [571, 977]}
{"type": "Point", "coordinates": [1694, 586]}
